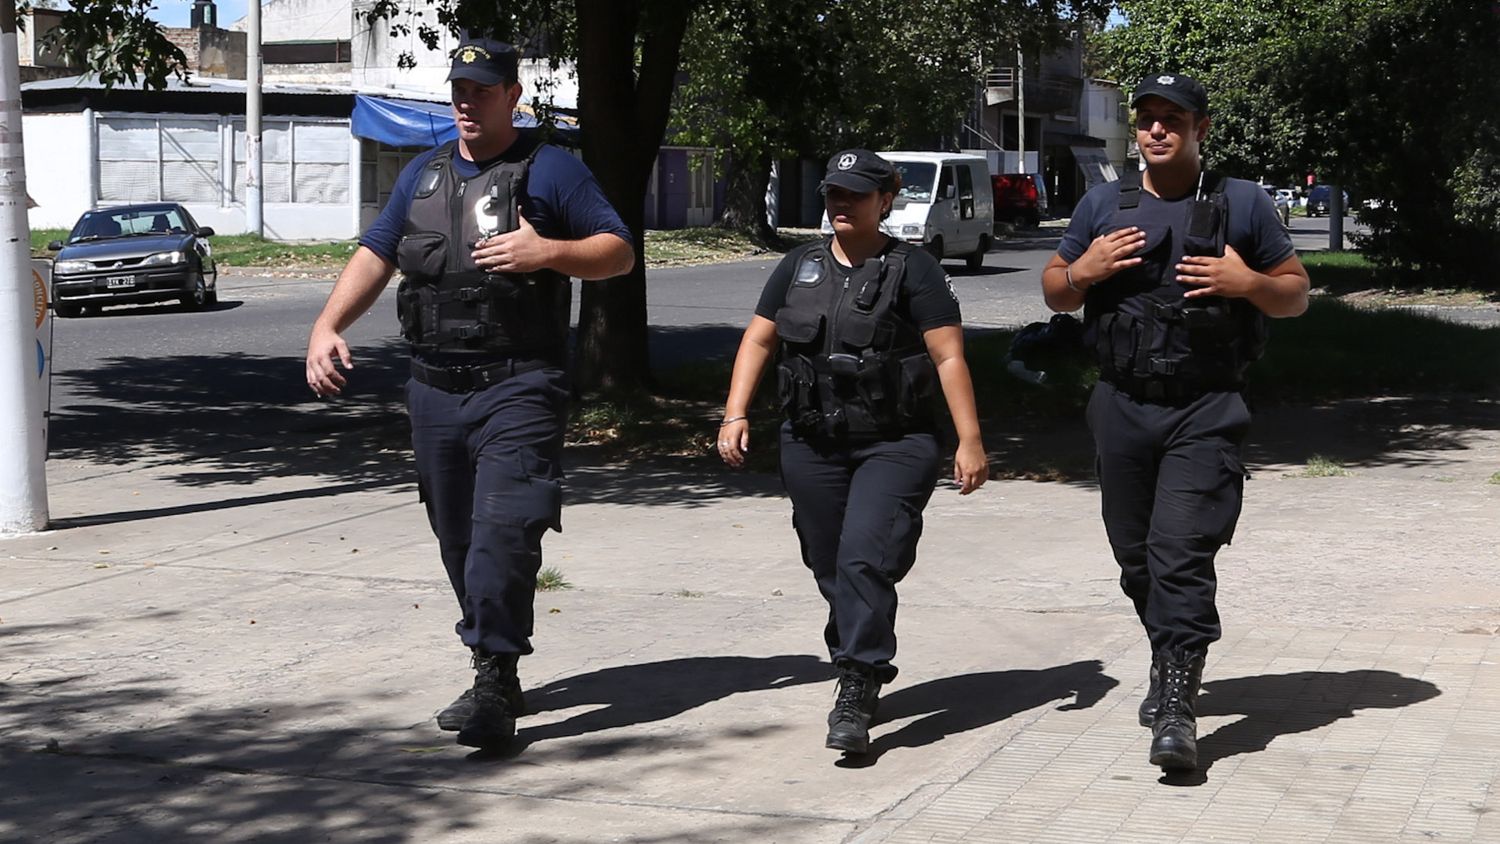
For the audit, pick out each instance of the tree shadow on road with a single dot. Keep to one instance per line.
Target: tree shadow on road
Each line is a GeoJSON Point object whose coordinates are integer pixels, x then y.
{"type": "Point", "coordinates": [1275, 705]}
{"type": "Point", "coordinates": [953, 705]}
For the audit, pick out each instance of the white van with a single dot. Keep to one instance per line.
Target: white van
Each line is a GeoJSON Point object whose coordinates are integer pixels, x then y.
{"type": "Point", "coordinates": [946, 204]}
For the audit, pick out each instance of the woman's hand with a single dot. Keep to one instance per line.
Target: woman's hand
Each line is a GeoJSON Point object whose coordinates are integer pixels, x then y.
{"type": "Point", "coordinates": [971, 468]}
{"type": "Point", "coordinates": [734, 442]}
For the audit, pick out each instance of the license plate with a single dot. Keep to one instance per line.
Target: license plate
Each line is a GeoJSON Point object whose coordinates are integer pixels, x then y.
{"type": "Point", "coordinates": [115, 281]}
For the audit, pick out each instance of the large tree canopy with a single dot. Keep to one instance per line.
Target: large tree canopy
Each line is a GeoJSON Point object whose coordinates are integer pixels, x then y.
{"type": "Point", "coordinates": [767, 79]}
{"type": "Point", "coordinates": [1395, 99]}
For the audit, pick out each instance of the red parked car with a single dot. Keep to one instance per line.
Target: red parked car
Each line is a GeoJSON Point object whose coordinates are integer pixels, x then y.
{"type": "Point", "coordinates": [1016, 199]}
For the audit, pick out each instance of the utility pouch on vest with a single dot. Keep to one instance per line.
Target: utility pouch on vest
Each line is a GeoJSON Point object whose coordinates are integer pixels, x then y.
{"type": "Point", "coordinates": [916, 386]}
{"type": "Point", "coordinates": [797, 326]}
{"type": "Point", "coordinates": [420, 256]}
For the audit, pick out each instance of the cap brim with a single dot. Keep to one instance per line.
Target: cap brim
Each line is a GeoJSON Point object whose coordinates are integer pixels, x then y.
{"type": "Point", "coordinates": [850, 181]}
{"type": "Point", "coordinates": [476, 74]}
{"type": "Point", "coordinates": [1175, 97]}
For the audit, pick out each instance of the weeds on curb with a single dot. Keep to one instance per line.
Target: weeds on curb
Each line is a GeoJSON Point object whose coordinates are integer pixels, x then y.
{"type": "Point", "coordinates": [550, 579]}
{"type": "Point", "coordinates": [1319, 466]}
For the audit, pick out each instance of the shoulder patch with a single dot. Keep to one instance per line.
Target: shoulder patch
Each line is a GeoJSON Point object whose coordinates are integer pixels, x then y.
{"type": "Point", "coordinates": [948, 279]}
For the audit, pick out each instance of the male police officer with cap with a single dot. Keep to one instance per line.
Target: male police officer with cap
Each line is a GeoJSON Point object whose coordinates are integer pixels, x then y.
{"type": "Point", "coordinates": [484, 230]}
{"type": "Point", "coordinates": [1176, 268]}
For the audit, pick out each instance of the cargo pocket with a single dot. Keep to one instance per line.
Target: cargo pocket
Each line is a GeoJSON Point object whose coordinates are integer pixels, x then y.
{"type": "Point", "coordinates": [901, 545]}
{"type": "Point", "coordinates": [1220, 482]}
{"type": "Point", "coordinates": [519, 488]}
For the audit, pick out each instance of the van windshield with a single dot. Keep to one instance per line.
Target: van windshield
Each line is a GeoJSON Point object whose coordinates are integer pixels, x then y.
{"type": "Point", "coordinates": [917, 178]}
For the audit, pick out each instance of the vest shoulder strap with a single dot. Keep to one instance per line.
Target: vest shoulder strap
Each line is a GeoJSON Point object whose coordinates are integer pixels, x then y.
{"type": "Point", "coordinates": [1130, 189]}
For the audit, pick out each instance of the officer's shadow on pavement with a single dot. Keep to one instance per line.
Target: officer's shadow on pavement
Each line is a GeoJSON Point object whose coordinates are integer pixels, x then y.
{"type": "Point", "coordinates": [952, 705]}
{"type": "Point", "coordinates": [1275, 705]}
{"type": "Point", "coordinates": [628, 695]}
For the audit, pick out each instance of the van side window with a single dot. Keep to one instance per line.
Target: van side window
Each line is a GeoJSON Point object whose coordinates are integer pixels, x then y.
{"type": "Point", "coordinates": [965, 193]}
{"type": "Point", "coordinates": [944, 182]}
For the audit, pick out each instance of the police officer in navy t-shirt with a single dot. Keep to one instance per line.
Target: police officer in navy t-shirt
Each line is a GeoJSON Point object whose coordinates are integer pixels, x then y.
{"type": "Point", "coordinates": [1177, 269]}
{"type": "Point", "coordinates": [485, 231]}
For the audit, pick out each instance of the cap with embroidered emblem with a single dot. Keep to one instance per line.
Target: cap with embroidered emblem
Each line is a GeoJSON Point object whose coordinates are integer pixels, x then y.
{"type": "Point", "coordinates": [1173, 87]}
{"type": "Point", "coordinates": [485, 61]}
{"type": "Point", "coordinates": [858, 170]}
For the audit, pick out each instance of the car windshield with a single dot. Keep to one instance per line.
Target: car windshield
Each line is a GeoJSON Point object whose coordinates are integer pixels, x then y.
{"type": "Point", "coordinates": [99, 225]}
{"type": "Point", "coordinates": [917, 178]}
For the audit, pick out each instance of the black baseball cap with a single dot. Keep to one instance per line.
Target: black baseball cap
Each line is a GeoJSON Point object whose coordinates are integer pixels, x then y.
{"type": "Point", "coordinates": [858, 170]}
{"type": "Point", "coordinates": [485, 61]}
{"type": "Point", "coordinates": [1173, 87]}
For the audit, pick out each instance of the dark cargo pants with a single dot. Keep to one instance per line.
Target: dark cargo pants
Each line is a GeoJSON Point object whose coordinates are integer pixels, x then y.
{"type": "Point", "coordinates": [857, 509]}
{"type": "Point", "coordinates": [489, 473]}
{"type": "Point", "coordinates": [1171, 482]}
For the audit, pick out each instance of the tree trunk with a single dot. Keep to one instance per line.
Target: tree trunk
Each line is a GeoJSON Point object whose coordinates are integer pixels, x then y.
{"type": "Point", "coordinates": [745, 197]}
{"type": "Point", "coordinates": [623, 114]}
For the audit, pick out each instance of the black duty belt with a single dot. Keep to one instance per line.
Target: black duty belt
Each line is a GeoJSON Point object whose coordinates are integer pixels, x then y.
{"type": "Point", "coordinates": [467, 379]}
{"type": "Point", "coordinates": [1166, 390]}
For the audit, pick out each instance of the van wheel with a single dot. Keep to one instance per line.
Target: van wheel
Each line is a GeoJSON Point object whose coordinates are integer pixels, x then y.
{"type": "Point", "coordinates": [976, 260]}
{"type": "Point", "coordinates": [934, 248]}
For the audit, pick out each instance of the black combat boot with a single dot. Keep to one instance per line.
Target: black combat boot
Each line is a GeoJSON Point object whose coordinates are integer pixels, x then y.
{"type": "Point", "coordinates": [492, 722]}
{"type": "Point", "coordinates": [853, 709]}
{"type": "Point", "coordinates": [453, 716]}
{"type": "Point", "coordinates": [1147, 713]}
{"type": "Point", "coordinates": [1174, 732]}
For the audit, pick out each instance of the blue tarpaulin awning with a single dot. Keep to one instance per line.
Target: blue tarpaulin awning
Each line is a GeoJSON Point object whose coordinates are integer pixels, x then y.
{"type": "Point", "coordinates": [415, 123]}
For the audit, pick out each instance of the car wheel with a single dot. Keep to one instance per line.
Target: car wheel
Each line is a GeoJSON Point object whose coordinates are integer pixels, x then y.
{"type": "Point", "coordinates": [67, 311]}
{"type": "Point", "coordinates": [197, 298]}
{"type": "Point", "coordinates": [934, 247]}
{"type": "Point", "coordinates": [975, 260]}
{"type": "Point", "coordinates": [211, 298]}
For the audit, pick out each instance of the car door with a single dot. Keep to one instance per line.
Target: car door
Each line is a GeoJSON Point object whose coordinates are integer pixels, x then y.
{"type": "Point", "coordinates": [968, 230]}
{"type": "Point", "coordinates": [204, 249]}
{"type": "Point", "coordinates": [943, 218]}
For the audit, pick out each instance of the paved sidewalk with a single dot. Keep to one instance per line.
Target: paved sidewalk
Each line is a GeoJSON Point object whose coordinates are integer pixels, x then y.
{"type": "Point", "coordinates": [189, 658]}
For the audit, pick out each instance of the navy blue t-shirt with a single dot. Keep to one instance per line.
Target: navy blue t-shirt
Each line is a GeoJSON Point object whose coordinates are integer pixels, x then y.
{"type": "Point", "coordinates": [926, 297]}
{"type": "Point", "coordinates": [561, 199]}
{"type": "Point", "coordinates": [1255, 229]}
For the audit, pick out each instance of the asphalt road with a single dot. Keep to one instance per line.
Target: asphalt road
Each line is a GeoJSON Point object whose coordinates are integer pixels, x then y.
{"type": "Point", "coordinates": [152, 368]}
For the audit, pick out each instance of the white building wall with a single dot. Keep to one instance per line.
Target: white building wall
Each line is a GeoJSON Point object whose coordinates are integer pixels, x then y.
{"type": "Point", "coordinates": [1105, 119]}
{"type": "Point", "coordinates": [59, 167]}
{"type": "Point", "coordinates": [302, 20]}
{"type": "Point", "coordinates": [62, 169]}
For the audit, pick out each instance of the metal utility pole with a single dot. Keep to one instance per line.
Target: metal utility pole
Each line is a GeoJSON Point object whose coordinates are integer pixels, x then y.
{"type": "Point", "coordinates": [253, 220]}
{"type": "Point", "coordinates": [1020, 111]}
{"type": "Point", "coordinates": [23, 310]}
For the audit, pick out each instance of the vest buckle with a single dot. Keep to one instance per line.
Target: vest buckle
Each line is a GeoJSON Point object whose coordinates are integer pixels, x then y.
{"type": "Point", "coordinates": [1162, 366]}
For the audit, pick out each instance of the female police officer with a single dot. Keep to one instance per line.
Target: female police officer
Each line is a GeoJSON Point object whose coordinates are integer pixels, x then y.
{"type": "Point", "coordinates": [868, 328]}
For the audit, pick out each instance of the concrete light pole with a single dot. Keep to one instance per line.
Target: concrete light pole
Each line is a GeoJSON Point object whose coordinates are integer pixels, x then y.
{"type": "Point", "coordinates": [23, 477]}
{"type": "Point", "coordinates": [253, 204]}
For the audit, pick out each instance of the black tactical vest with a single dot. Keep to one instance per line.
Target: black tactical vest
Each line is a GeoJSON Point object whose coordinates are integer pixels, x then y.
{"type": "Point", "coordinates": [851, 366]}
{"type": "Point", "coordinates": [1149, 339]}
{"type": "Point", "coordinates": [448, 305]}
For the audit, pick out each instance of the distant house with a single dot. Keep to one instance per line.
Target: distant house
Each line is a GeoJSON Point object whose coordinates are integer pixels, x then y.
{"type": "Point", "coordinates": [337, 110]}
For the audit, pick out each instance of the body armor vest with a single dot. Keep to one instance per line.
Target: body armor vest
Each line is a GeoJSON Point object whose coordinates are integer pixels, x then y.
{"type": "Point", "coordinates": [851, 366]}
{"type": "Point", "coordinates": [448, 305]}
{"type": "Point", "coordinates": [1149, 339]}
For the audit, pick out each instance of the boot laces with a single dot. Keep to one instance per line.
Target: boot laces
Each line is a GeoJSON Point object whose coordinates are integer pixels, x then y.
{"type": "Point", "coordinates": [849, 704]}
{"type": "Point", "coordinates": [1174, 681]}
